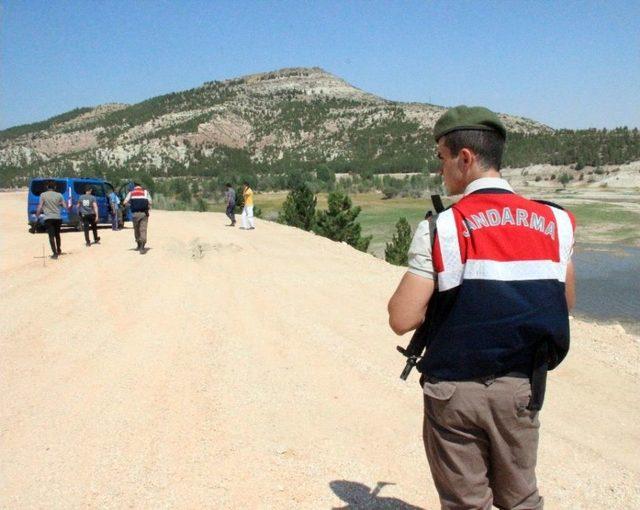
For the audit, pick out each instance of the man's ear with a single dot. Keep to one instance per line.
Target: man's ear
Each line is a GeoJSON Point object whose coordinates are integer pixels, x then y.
{"type": "Point", "coordinates": [466, 158]}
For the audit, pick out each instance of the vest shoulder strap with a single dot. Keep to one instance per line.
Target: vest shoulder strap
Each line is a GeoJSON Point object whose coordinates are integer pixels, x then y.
{"type": "Point", "coordinates": [550, 204]}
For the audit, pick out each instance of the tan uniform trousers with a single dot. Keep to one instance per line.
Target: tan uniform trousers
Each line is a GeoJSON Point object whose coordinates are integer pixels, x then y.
{"type": "Point", "coordinates": [140, 222]}
{"type": "Point", "coordinates": [482, 443]}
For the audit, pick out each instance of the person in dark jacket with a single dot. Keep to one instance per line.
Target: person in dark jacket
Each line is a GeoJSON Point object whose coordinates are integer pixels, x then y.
{"type": "Point", "coordinates": [495, 284]}
{"type": "Point", "coordinates": [230, 199]}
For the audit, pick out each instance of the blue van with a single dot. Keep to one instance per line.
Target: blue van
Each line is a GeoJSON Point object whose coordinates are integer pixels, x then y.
{"type": "Point", "coordinates": [71, 188]}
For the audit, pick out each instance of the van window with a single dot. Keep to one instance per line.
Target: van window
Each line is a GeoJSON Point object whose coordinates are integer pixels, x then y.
{"type": "Point", "coordinates": [80, 187]}
{"type": "Point", "coordinates": [38, 187]}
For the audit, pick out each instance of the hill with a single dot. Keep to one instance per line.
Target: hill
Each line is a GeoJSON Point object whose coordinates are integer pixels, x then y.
{"type": "Point", "coordinates": [254, 123]}
{"type": "Point", "coordinates": [251, 369]}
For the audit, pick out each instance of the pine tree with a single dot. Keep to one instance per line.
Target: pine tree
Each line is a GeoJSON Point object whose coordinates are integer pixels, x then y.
{"type": "Point", "coordinates": [339, 223]}
{"type": "Point", "coordinates": [299, 208]}
{"type": "Point", "coordinates": [396, 252]}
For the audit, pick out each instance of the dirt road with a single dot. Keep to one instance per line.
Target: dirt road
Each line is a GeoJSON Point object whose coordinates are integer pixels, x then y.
{"type": "Point", "coordinates": [251, 369]}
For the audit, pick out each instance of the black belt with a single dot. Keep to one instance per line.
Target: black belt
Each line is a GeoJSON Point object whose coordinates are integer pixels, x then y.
{"type": "Point", "coordinates": [489, 378]}
{"type": "Point", "coordinates": [485, 378]}
{"type": "Point", "coordinates": [520, 375]}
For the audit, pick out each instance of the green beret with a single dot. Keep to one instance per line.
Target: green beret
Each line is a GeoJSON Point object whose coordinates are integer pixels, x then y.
{"type": "Point", "coordinates": [468, 118]}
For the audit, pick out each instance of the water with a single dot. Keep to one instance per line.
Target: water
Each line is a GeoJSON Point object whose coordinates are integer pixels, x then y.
{"type": "Point", "coordinates": [608, 284]}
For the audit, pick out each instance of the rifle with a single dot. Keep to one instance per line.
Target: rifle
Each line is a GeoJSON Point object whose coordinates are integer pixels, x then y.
{"type": "Point", "coordinates": [417, 344]}
{"type": "Point", "coordinates": [413, 351]}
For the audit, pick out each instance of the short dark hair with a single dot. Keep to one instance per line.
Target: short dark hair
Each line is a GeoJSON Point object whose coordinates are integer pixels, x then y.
{"type": "Point", "coordinates": [88, 188]}
{"type": "Point", "coordinates": [51, 185]}
{"type": "Point", "coordinates": [228, 185]}
{"type": "Point", "coordinates": [487, 145]}
{"type": "Point", "coordinates": [246, 183]}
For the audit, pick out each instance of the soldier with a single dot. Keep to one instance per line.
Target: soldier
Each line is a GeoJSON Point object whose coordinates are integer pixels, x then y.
{"type": "Point", "coordinates": [50, 203]}
{"type": "Point", "coordinates": [140, 201]}
{"type": "Point", "coordinates": [496, 283]}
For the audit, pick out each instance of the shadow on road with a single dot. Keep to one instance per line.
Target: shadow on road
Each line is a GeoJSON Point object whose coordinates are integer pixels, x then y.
{"type": "Point", "coordinates": [359, 496]}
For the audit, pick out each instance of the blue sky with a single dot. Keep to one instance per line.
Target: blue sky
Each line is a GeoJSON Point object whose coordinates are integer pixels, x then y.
{"type": "Point", "coordinates": [569, 64]}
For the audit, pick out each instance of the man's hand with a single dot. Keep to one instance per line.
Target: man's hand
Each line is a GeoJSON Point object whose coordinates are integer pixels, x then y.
{"type": "Point", "coordinates": [408, 305]}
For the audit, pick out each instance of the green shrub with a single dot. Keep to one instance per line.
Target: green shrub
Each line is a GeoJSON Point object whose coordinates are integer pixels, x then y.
{"type": "Point", "coordinates": [564, 179]}
{"type": "Point", "coordinates": [396, 252]}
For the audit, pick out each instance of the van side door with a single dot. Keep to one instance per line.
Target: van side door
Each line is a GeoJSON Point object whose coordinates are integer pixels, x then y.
{"type": "Point", "coordinates": [103, 202]}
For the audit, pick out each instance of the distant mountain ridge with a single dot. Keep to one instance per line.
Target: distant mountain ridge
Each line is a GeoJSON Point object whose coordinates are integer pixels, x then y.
{"type": "Point", "coordinates": [293, 114]}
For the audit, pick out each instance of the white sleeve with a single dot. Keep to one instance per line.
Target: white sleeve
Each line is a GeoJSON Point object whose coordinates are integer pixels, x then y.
{"type": "Point", "coordinates": [420, 262]}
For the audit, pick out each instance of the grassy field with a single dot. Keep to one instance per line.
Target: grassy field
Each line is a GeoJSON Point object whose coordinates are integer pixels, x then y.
{"type": "Point", "coordinates": [605, 222]}
{"type": "Point", "coordinates": [378, 217]}
{"type": "Point", "coordinates": [598, 222]}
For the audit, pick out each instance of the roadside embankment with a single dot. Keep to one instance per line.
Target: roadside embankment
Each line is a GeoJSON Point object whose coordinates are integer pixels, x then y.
{"type": "Point", "coordinates": [251, 369]}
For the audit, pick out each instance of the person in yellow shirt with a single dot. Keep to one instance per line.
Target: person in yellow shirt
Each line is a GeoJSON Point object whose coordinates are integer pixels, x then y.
{"type": "Point", "coordinates": [247, 210]}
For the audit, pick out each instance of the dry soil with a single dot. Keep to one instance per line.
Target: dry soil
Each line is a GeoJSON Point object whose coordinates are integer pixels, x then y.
{"type": "Point", "coordinates": [251, 369]}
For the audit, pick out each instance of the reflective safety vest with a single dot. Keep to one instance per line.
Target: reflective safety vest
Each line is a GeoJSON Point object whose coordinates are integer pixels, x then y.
{"type": "Point", "coordinates": [501, 262]}
{"type": "Point", "coordinates": [139, 200]}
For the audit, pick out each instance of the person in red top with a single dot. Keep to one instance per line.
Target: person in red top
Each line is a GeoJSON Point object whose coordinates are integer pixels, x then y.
{"type": "Point", "coordinates": [495, 283]}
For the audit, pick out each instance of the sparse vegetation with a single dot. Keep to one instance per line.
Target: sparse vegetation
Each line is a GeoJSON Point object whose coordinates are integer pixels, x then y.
{"type": "Point", "coordinates": [17, 131]}
{"type": "Point", "coordinates": [564, 179]}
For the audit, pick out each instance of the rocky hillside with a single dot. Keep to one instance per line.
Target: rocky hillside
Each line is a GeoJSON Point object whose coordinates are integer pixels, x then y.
{"type": "Point", "coordinates": [298, 114]}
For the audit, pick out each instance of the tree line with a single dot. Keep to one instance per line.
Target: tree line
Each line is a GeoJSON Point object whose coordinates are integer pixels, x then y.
{"type": "Point", "coordinates": [393, 149]}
